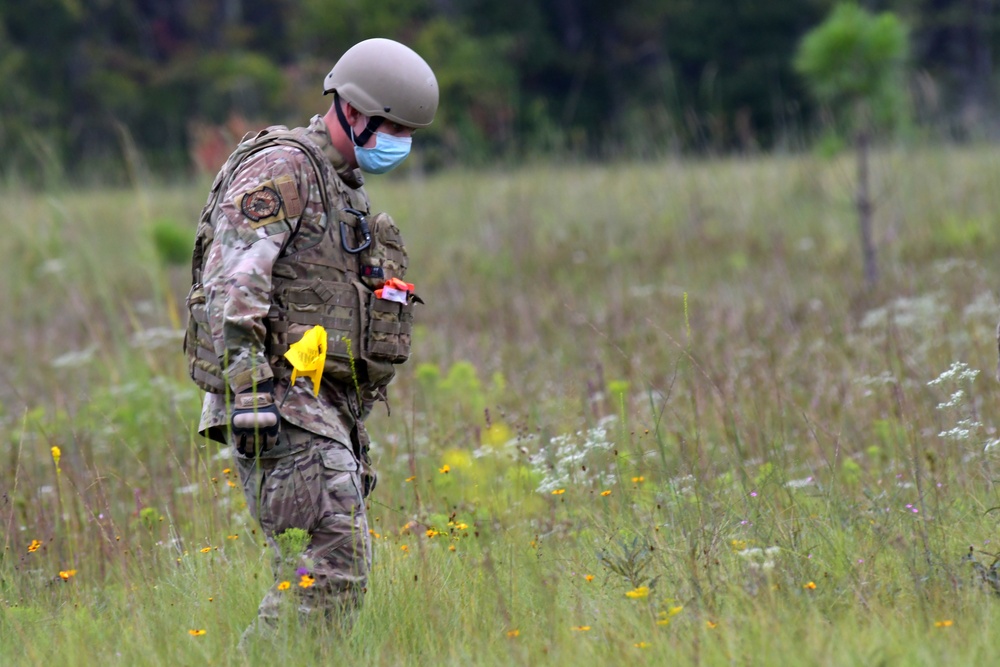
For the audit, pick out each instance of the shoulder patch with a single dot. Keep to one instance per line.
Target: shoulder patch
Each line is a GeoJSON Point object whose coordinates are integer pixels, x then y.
{"type": "Point", "coordinates": [262, 205]}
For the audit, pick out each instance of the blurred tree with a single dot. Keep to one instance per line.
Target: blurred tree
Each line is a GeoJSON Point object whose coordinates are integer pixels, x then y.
{"type": "Point", "coordinates": [853, 63]}
{"type": "Point", "coordinates": [732, 68]}
{"type": "Point", "coordinates": [625, 78]}
{"type": "Point", "coordinates": [954, 43]}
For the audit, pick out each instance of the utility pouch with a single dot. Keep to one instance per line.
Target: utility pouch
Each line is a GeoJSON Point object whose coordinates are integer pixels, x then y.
{"type": "Point", "coordinates": [203, 364]}
{"type": "Point", "coordinates": [389, 330]}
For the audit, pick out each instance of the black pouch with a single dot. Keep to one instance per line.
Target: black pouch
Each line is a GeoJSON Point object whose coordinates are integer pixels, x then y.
{"type": "Point", "coordinates": [385, 257]}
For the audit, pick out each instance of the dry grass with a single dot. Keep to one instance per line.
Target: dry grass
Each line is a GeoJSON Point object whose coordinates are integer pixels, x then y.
{"type": "Point", "coordinates": [693, 337]}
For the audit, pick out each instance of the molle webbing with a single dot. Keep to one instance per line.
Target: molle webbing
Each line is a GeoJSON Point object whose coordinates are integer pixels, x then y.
{"type": "Point", "coordinates": [336, 306]}
{"type": "Point", "coordinates": [204, 365]}
{"type": "Point", "coordinates": [389, 330]}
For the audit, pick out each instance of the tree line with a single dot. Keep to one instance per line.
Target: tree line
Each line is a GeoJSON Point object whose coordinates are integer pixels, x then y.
{"type": "Point", "coordinates": [88, 82]}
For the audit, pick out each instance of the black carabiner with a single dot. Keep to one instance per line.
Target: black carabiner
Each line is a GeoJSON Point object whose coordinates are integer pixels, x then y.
{"type": "Point", "coordinates": [362, 223]}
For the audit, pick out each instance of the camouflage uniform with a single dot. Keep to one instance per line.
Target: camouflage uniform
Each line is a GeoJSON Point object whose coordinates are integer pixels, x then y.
{"type": "Point", "coordinates": [318, 473]}
{"type": "Point", "coordinates": [317, 488]}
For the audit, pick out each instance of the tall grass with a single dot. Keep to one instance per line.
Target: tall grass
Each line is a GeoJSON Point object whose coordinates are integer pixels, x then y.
{"type": "Point", "coordinates": [652, 414]}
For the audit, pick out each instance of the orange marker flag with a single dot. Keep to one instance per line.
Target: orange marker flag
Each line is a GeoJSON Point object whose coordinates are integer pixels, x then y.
{"type": "Point", "coordinates": [395, 289]}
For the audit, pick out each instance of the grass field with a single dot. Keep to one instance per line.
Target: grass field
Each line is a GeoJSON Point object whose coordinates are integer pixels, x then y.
{"type": "Point", "coordinates": [652, 416]}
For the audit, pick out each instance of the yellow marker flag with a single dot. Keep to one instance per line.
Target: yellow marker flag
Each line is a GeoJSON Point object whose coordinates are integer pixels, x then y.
{"type": "Point", "coordinates": [308, 355]}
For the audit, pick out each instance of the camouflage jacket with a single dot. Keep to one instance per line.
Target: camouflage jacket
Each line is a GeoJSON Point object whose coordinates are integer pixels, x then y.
{"type": "Point", "coordinates": [249, 238]}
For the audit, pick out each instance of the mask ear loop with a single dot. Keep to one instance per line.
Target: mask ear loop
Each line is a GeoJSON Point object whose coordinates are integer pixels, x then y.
{"type": "Point", "coordinates": [374, 123]}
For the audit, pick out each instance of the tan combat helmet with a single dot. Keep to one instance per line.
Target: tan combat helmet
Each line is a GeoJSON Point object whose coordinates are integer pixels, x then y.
{"type": "Point", "coordinates": [383, 78]}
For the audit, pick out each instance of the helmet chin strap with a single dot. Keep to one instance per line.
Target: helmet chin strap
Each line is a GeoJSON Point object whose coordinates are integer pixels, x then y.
{"type": "Point", "coordinates": [373, 124]}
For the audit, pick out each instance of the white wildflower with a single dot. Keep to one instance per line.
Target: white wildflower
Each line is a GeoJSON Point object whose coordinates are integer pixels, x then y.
{"type": "Point", "coordinates": [958, 371]}
{"type": "Point", "coordinates": [955, 400]}
{"type": "Point", "coordinates": [74, 359]}
{"type": "Point", "coordinates": [156, 337]}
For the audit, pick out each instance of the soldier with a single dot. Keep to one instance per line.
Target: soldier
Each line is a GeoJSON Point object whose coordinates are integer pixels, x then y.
{"type": "Point", "coordinates": [286, 242]}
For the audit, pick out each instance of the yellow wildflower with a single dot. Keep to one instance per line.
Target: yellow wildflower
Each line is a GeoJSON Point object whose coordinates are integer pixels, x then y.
{"type": "Point", "coordinates": [65, 575]}
{"type": "Point", "coordinates": [711, 625]}
{"type": "Point", "coordinates": [404, 548]}
{"type": "Point", "coordinates": [196, 633]}
{"type": "Point", "coordinates": [641, 645]}
{"type": "Point", "coordinates": [232, 537]}
{"type": "Point", "coordinates": [637, 593]}
{"type": "Point", "coordinates": [673, 611]}
{"type": "Point", "coordinates": [371, 531]}
{"type": "Point", "coordinates": [34, 546]}
{"type": "Point", "coordinates": [284, 585]}
{"type": "Point", "coordinates": [462, 526]}
{"type": "Point", "coordinates": [444, 469]}
{"type": "Point", "coordinates": [637, 480]}
{"type": "Point", "coordinates": [558, 492]}
{"type": "Point", "coordinates": [514, 633]}
{"type": "Point", "coordinates": [226, 471]}
{"type": "Point", "coordinates": [231, 483]}
{"type": "Point", "coordinates": [306, 581]}
{"type": "Point", "coordinates": [432, 533]}
{"type": "Point", "coordinates": [606, 493]}
{"type": "Point", "coordinates": [588, 577]}
{"type": "Point", "coordinates": [944, 624]}
{"type": "Point", "coordinates": [811, 585]}
{"type": "Point", "coordinates": [663, 620]}
{"type": "Point", "coordinates": [738, 545]}
{"type": "Point", "coordinates": [451, 547]}
{"type": "Point", "coordinates": [56, 455]}
{"type": "Point", "coordinates": [206, 550]}
{"type": "Point", "coordinates": [410, 479]}
{"type": "Point", "coordinates": [581, 628]}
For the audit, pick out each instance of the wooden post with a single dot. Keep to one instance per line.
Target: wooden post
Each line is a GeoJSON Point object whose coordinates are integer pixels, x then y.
{"type": "Point", "coordinates": [864, 206]}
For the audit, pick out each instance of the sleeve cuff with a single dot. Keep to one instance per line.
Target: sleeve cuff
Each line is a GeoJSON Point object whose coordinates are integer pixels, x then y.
{"type": "Point", "coordinates": [244, 380]}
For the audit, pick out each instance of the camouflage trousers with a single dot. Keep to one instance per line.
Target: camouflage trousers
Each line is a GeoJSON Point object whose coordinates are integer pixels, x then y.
{"type": "Point", "coordinates": [318, 489]}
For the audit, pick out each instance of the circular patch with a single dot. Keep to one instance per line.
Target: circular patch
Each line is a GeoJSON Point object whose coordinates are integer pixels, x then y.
{"type": "Point", "coordinates": [261, 203]}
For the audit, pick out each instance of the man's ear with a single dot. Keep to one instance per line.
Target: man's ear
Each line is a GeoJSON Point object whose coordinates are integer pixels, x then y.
{"type": "Point", "coordinates": [350, 113]}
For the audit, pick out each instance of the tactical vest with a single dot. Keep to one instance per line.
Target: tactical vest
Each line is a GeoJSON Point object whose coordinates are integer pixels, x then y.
{"type": "Point", "coordinates": [325, 275]}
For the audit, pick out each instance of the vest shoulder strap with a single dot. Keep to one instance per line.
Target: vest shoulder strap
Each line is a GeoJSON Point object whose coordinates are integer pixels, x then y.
{"type": "Point", "coordinates": [275, 135]}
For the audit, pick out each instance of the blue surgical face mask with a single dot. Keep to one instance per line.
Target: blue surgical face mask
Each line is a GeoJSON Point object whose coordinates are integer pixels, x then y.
{"type": "Point", "coordinates": [387, 154]}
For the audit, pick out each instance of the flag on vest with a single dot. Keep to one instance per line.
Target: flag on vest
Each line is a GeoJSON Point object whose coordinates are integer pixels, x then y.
{"type": "Point", "coordinates": [308, 356]}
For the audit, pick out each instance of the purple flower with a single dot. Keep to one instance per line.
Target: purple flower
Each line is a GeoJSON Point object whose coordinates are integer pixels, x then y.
{"type": "Point", "coordinates": [302, 571]}
{"type": "Point", "coordinates": [753, 494]}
